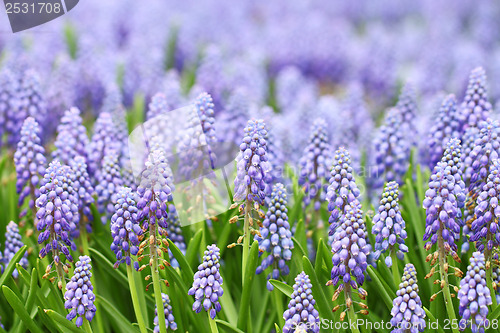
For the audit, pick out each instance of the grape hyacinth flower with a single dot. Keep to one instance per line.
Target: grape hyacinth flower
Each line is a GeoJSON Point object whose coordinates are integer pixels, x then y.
{"type": "Point", "coordinates": [125, 229]}
{"type": "Point", "coordinates": [71, 138]}
{"type": "Point", "coordinates": [79, 294]}
{"type": "Point", "coordinates": [389, 226]}
{"type": "Point", "coordinates": [407, 312]}
{"type": "Point", "coordinates": [207, 285]}
{"type": "Point", "coordinates": [55, 214]}
{"type": "Point", "coordinates": [301, 313]}
{"type": "Point", "coordinates": [468, 143]}
{"type": "Point", "coordinates": [443, 200]}
{"type": "Point", "coordinates": [109, 181]}
{"type": "Point", "coordinates": [275, 237]}
{"type": "Point", "coordinates": [474, 295]}
{"type": "Point", "coordinates": [8, 87]}
{"type": "Point", "coordinates": [447, 126]}
{"type": "Point", "coordinates": [407, 104]}
{"type": "Point", "coordinates": [84, 191]}
{"type": "Point", "coordinates": [155, 192]}
{"type": "Point", "coordinates": [13, 243]}
{"type": "Point", "coordinates": [175, 234]}
{"type": "Point", "coordinates": [102, 140]}
{"type": "Point", "coordinates": [475, 107]}
{"type": "Point", "coordinates": [169, 317]}
{"type": "Point", "coordinates": [314, 165]}
{"type": "Point", "coordinates": [342, 190]}
{"type": "Point", "coordinates": [252, 179]}
{"type": "Point", "coordinates": [391, 150]}
{"type": "Point", "coordinates": [350, 251]}
{"type": "Point", "coordinates": [30, 162]}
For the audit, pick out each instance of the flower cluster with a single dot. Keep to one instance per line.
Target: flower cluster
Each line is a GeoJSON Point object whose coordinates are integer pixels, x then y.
{"type": "Point", "coordinates": [84, 189]}
{"type": "Point", "coordinates": [125, 229]}
{"type": "Point", "coordinates": [169, 317]}
{"type": "Point", "coordinates": [469, 139]}
{"type": "Point", "coordinates": [79, 294]}
{"type": "Point", "coordinates": [485, 229]}
{"type": "Point", "coordinates": [30, 161]}
{"type": "Point", "coordinates": [314, 165]}
{"type": "Point", "coordinates": [342, 190]}
{"type": "Point", "coordinates": [389, 226]}
{"type": "Point", "coordinates": [443, 200]}
{"type": "Point", "coordinates": [275, 236]}
{"type": "Point", "coordinates": [207, 285]}
{"type": "Point", "coordinates": [72, 137]}
{"type": "Point", "coordinates": [474, 296]}
{"type": "Point", "coordinates": [407, 312]}
{"type": "Point", "coordinates": [253, 172]}
{"type": "Point", "coordinates": [301, 311]}
{"type": "Point", "coordinates": [56, 212]}
{"type": "Point", "coordinates": [102, 140]}
{"type": "Point", "coordinates": [407, 104]}
{"type": "Point", "coordinates": [109, 181]}
{"type": "Point", "coordinates": [350, 250]}
{"type": "Point", "coordinates": [175, 234]}
{"type": "Point", "coordinates": [475, 106]}
{"type": "Point", "coordinates": [13, 243]}
{"type": "Point", "coordinates": [391, 148]}
{"type": "Point", "coordinates": [447, 126]}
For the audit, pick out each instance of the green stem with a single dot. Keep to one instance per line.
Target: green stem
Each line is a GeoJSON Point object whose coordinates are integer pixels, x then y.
{"type": "Point", "coordinates": [278, 302]}
{"type": "Point", "coordinates": [489, 279]}
{"type": "Point", "coordinates": [135, 300]}
{"type": "Point", "coordinates": [213, 324]}
{"type": "Point", "coordinates": [156, 281]}
{"type": "Point", "coordinates": [395, 268]}
{"type": "Point", "coordinates": [86, 326]}
{"type": "Point", "coordinates": [350, 310]}
{"type": "Point", "coordinates": [246, 240]}
{"type": "Point", "coordinates": [60, 276]}
{"type": "Point", "coordinates": [444, 277]}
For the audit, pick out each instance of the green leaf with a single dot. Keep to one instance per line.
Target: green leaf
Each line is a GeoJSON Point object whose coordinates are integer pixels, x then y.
{"type": "Point", "coordinates": [381, 287]}
{"type": "Point", "coordinates": [247, 289]}
{"type": "Point", "coordinates": [10, 267]}
{"type": "Point", "coordinates": [115, 315]}
{"type": "Point", "coordinates": [18, 307]}
{"type": "Point", "coordinates": [277, 328]}
{"type": "Point", "coordinates": [186, 271]}
{"type": "Point", "coordinates": [47, 321]}
{"type": "Point", "coordinates": [323, 307]}
{"type": "Point", "coordinates": [119, 276]}
{"type": "Point", "coordinates": [496, 313]}
{"type": "Point", "coordinates": [228, 326]}
{"type": "Point", "coordinates": [433, 319]}
{"type": "Point", "coordinates": [283, 287]}
{"type": "Point", "coordinates": [193, 248]}
{"type": "Point", "coordinates": [61, 320]}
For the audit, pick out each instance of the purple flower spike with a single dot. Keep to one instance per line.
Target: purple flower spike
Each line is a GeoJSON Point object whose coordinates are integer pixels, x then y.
{"type": "Point", "coordinates": [56, 212]}
{"type": "Point", "coordinates": [30, 161]}
{"type": "Point", "coordinates": [342, 190]}
{"type": "Point", "coordinates": [27, 101]}
{"type": "Point", "coordinates": [253, 169]}
{"type": "Point", "coordinates": [474, 295]}
{"type": "Point", "coordinates": [13, 243]}
{"type": "Point", "coordinates": [301, 316]}
{"type": "Point", "coordinates": [157, 106]}
{"type": "Point", "coordinates": [443, 200]}
{"type": "Point", "coordinates": [447, 126]}
{"type": "Point", "coordinates": [175, 234]}
{"type": "Point", "coordinates": [109, 181]}
{"type": "Point", "coordinates": [391, 150]}
{"type": "Point", "coordinates": [407, 312]}
{"type": "Point", "coordinates": [314, 165]}
{"type": "Point", "coordinates": [102, 140]}
{"type": "Point", "coordinates": [484, 227]}
{"type": "Point", "coordinates": [72, 137]}
{"type": "Point", "coordinates": [207, 285]}
{"type": "Point", "coordinates": [389, 226]}
{"type": "Point", "coordinates": [350, 250]}
{"type": "Point", "coordinates": [475, 107]}
{"type": "Point", "coordinates": [155, 191]}
{"type": "Point", "coordinates": [276, 237]}
{"type": "Point", "coordinates": [79, 294]}
{"type": "Point", "coordinates": [83, 188]}
{"type": "Point", "coordinates": [8, 88]}
{"type": "Point", "coordinates": [407, 104]}
{"type": "Point", "coordinates": [169, 317]}
{"type": "Point", "coordinates": [125, 229]}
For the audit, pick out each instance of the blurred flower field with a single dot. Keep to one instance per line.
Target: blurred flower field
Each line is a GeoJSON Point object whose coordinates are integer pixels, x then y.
{"type": "Point", "coordinates": [301, 166]}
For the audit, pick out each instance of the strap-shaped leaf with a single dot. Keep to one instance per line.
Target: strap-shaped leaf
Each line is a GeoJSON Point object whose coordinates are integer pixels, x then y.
{"type": "Point", "coordinates": [228, 326]}
{"type": "Point", "coordinates": [10, 267]}
{"type": "Point", "coordinates": [18, 307]}
{"type": "Point", "coordinates": [385, 292]}
{"type": "Point", "coordinates": [116, 316]}
{"type": "Point", "coordinates": [247, 289]}
{"type": "Point", "coordinates": [185, 268]}
{"type": "Point", "coordinates": [324, 309]}
{"type": "Point", "coordinates": [283, 287]}
{"type": "Point", "coordinates": [193, 248]}
{"type": "Point", "coordinates": [61, 320]}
